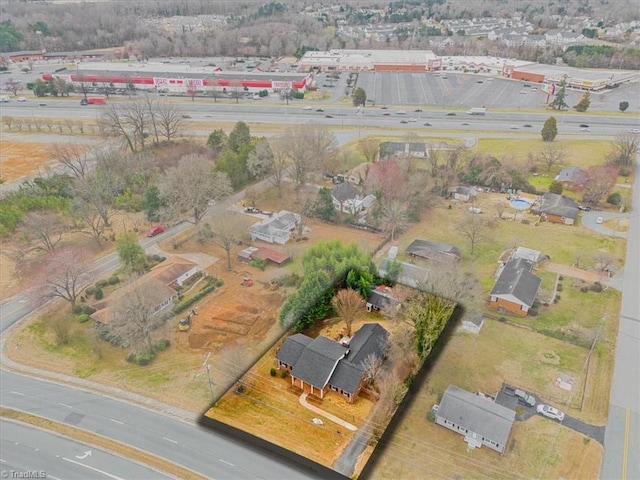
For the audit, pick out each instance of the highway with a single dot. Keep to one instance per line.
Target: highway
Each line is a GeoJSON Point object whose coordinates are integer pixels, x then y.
{"type": "Point", "coordinates": [42, 454]}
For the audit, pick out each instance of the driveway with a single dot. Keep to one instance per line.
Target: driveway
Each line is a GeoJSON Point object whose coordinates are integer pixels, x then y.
{"type": "Point", "coordinates": [588, 219]}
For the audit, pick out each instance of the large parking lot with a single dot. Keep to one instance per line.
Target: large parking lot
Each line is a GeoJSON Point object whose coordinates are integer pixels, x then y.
{"type": "Point", "coordinates": [458, 90]}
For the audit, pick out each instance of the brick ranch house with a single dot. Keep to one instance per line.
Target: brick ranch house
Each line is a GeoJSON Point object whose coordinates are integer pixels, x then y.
{"type": "Point", "coordinates": [319, 365]}
{"type": "Point", "coordinates": [516, 288]}
{"type": "Point", "coordinates": [557, 209]}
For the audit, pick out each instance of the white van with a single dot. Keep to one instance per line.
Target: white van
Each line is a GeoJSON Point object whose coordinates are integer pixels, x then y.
{"type": "Point", "coordinates": [4, 98]}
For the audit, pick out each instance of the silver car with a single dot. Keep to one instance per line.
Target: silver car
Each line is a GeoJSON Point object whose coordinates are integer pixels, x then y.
{"type": "Point", "coordinates": [550, 412]}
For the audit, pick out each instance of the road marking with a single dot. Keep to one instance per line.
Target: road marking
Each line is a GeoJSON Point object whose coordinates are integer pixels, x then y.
{"type": "Point", "coordinates": [84, 455]}
{"type": "Point", "coordinates": [16, 393]}
{"type": "Point", "coordinates": [51, 476]}
{"type": "Point", "coordinates": [169, 440]}
{"type": "Point", "coordinates": [65, 405]}
{"type": "Point", "coordinates": [92, 468]}
{"type": "Point", "coordinates": [2, 460]}
{"type": "Point", "coordinates": [625, 450]}
{"type": "Point", "coordinates": [224, 461]}
{"type": "Point", "coordinates": [116, 421]}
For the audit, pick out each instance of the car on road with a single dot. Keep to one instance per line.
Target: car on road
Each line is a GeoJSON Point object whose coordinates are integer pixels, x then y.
{"type": "Point", "coordinates": [427, 124]}
{"type": "Point", "coordinates": [465, 124]}
{"type": "Point", "coordinates": [451, 114]}
{"type": "Point", "coordinates": [599, 220]}
{"type": "Point", "coordinates": [585, 129]}
{"type": "Point", "coordinates": [480, 81]}
{"type": "Point", "coordinates": [42, 104]}
{"type": "Point", "coordinates": [386, 114]}
{"type": "Point", "coordinates": [634, 130]}
{"type": "Point", "coordinates": [413, 119]}
{"type": "Point", "coordinates": [401, 112]}
{"type": "Point", "coordinates": [383, 107]}
{"type": "Point", "coordinates": [524, 91]}
{"type": "Point", "coordinates": [527, 125]}
{"type": "Point", "coordinates": [21, 99]}
{"type": "Point", "coordinates": [550, 412]}
{"type": "Point", "coordinates": [328, 116]}
{"type": "Point", "coordinates": [584, 125]}
{"type": "Point", "coordinates": [156, 230]}
{"type": "Point", "coordinates": [418, 110]}
{"type": "Point", "coordinates": [514, 127]}
{"type": "Point", "coordinates": [186, 116]}
{"type": "Point", "coordinates": [319, 109]}
{"type": "Point", "coordinates": [306, 107]}
{"type": "Point", "coordinates": [404, 121]}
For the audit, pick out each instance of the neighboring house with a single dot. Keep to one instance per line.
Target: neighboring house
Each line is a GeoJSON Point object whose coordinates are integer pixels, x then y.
{"type": "Point", "coordinates": [358, 174]}
{"type": "Point", "coordinates": [262, 253]}
{"type": "Point", "coordinates": [403, 149]}
{"type": "Point", "coordinates": [557, 209]}
{"type": "Point", "coordinates": [163, 280]}
{"type": "Point", "coordinates": [410, 275]}
{"type": "Point", "coordinates": [465, 194]}
{"type": "Point", "coordinates": [478, 419]}
{"type": "Point", "coordinates": [275, 229]}
{"type": "Point", "coordinates": [534, 256]}
{"type": "Point", "coordinates": [348, 199]}
{"type": "Point", "coordinates": [438, 252]}
{"type": "Point", "coordinates": [515, 289]}
{"type": "Point", "coordinates": [320, 365]}
{"type": "Point", "coordinates": [572, 178]}
{"type": "Point", "coordinates": [382, 299]}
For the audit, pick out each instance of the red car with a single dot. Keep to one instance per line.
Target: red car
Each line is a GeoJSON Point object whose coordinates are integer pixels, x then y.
{"type": "Point", "coordinates": [157, 230]}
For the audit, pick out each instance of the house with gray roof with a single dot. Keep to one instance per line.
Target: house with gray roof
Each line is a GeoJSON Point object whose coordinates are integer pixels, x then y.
{"type": "Point", "coordinates": [275, 229]}
{"type": "Point", "coordinates": [348, 199]}
{"type": "Point", "coordinates": [410, 275]}
{"type": "Point", "coordinates": [381, 299]}
{"type": "Point", "coordinates": [466, 194]}
{"type": "Point", "coordinates": [478, 419]}
{"type": "Point", "coordinates": [516, 288]}
{"type": "Point", "coordinates": [557, 209]}
{"type": "Point", "coordinates": [320, 365]}
{"type": "Point", "coordinates": [438, 252]}
{"type": "Point", "coordinates": [572, 178]}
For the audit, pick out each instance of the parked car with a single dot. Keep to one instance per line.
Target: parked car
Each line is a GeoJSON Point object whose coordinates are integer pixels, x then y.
{"type": "Point", "coordinates": [156, 230]}
{"type": "Point", "coordinates": [584, 208]}
{"type": "Point", "coordinates": [599, 220]}
{"type": "Point", "coordinates": [550, 412]}
{"type": "Point", "coordinates": [251, 210]}
{"type": "Point", "coordinates": [525, 398]}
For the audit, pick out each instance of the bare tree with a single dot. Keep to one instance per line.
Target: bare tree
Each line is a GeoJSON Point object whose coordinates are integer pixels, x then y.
{"type": "Point", "coordinates": [280, 163]}
{"type": "Point", "coordinates": [135, 318]}
{"type": "Point", "coordinates": [234, 361]}
{"type": "Point", "coordinates": [372, 365]}
{"type": "Point", "coordinates": [100, 188]}
{"type": "Point", "coordinates": [189, 187]}
{"type": "Point", "coordinates": [605, 261]}
{"type": "Point", "coordinates": [168, 120]}
{"type": "Point", "coordinates": [64, 276]}
{"type": "Point", "coordinates": [227, 232]}
{"type": "Point", "coordinates": [192, 88]}
{"type": "Point", "coordinates": [624, 149]}
{"type": "Point", "coordinates": [600, 181]}
{"type": "Point", "coordinates": [46, 228]}
{"type": "Point", "coordinates": [472, 227]}
{"type": "Point", "coordinates": [13, 86]}
{"type": "Point", "coordinates": [394, 218]}
{"type": "Point", "coordinates": [550, 155]}
{"type": "Point", "coordinates": [348, 303]}
{"type": "Point", "coordinates": [260, 160]}
{"type": "Point", "coordinates": [309, 146]}
{"type": "Point", "coordinates": [370, 148]}
{"type": "Point", "coordinates": [88, 220]}
{"type": "Point", "coordinates": [452, 283]}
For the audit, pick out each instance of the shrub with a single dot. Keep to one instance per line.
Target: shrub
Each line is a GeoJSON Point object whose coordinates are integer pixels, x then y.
{"type": "Point", "coordinates": [257, 263]}
{"type": "Point", "coordinates": [284, 373]}
{"type": "Point", "coordinates": [88, 309]}
{"type": "Point", "coordinates": [76, 309]}
{"type": "Point", "coordinates": [596, 287]}
{"type": "Point", "coordinates": [560, 278]}
{"type": "Point", "coordinates": [584, 289]}
{"type": "Point", "coordinates": [161, 345]}
{"type": "Point", "coordinates": [557, 299]}
{"type": "Point", "coordinates": [431, 415]}
{"type": "Point", "coordinates": [502, 319]}
{"type": "Point", "coordinates": [272, 372]}
{"type": "Point", "coordinates": [141, 359]}
{"type": "Point", "coordinates": [99, 294]}
{"type": "Point", "coordinates": [219, 282]}
{"type": "Point", "coordinates": [190, 301]}
{"type": "Point", "coordinates": [82, 318]}
{"type": "Point", "coordinates": [114, 280]}
{"type": "Point", "coordinates": [614, 199]}
{"type": "Point", "coordinates": [90, 291]}
{"type": "Point", "coordinates": [525, 221]}
{"type": "Point", "coordinates": [101, 284]}
{"type": "Point", "coordinates": [533, 312]}
{"type": "Point", "coordinates": [559, 287]}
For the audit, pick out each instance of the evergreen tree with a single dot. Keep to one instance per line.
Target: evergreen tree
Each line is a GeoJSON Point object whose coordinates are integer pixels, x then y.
{"type": "Point", "coordinates": [623, 106]}
{"type": "Point", "coordinates": [359, 97]}
{"type": "Point", "coordinates": [560, 100]}
{"type": "Point", "coordinates": [549, 129]}
{"type": "Point", "coordinates": [556, 187]}
{"type": "Point", "coordinates": [584, 102]}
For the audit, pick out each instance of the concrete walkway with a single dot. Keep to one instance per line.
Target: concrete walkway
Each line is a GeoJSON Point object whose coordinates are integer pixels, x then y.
{"type": "Point", "coordinates": [322, 413]}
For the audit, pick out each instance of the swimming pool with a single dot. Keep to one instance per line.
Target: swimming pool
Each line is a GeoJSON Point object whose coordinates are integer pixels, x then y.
{"type": "Point", "coordinates": [520, 204]}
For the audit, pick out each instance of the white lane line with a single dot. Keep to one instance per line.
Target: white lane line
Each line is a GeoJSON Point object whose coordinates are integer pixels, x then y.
{"type": "Point", "coordinates": [169, 440]}
{"type": "Point", "coordinates": [16, 393]}
{"type": "Point", "coordinates": [51, 476]}
{"type": "Point", "coordinates": [65, 405]}
{"type": "Point", "coordinates": [224, 461]}
{"type": "Point", "coordinates": [94, 469]}
{"type": "Point", "coordinates": [116, 421]}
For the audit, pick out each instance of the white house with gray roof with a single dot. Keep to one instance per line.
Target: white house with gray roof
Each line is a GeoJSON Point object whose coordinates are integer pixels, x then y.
{"type": "Point", "coordinates": [275, 229]}
{"type": "Point", "coordinates": [479, 420]}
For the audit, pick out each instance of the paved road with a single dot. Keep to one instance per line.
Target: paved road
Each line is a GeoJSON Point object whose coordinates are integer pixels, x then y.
{"type": "Point", "coordinates": [26, 450]}
{"type": "Point", "coordinates": [180, 442]}
{"type": "Point", "coordinates": [622, 436]}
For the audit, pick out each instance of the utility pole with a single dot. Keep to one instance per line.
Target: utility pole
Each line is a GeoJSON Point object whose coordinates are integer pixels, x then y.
{"type": "Point", "coordinates": [207, 367]}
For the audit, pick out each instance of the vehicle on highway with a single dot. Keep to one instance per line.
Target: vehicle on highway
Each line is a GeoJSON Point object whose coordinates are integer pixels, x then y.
{"type": "Point", "coordinates": [156, 230]}
{"type": "Point", "coordinates": [599, 220]}
{"type": "Point", "coordinates": [480, 81]}
{"type": "Point", "coordinates": [427, 124]}
{"type": "Point", "coordinates": [401, 112]}
{"type": "Point", "coordinates": [384, 107]}
{"type": "Point", "coordinates": [385, 114]}
{"type": "Point", "coordinates": [404, 121]}
{"type": "Point", "coordinates": [550, 412]}
{"type": "Point", "coordinates": [584, 125]}
{"type": "Point", "coordinates": [328, 116]}
{"type": "Point", "coordinates": [4, 98]}
{"type": "Point", "coordinates": [186, 116]}
{"type": "Point", "coordinates": [465, 124]}
{"type": "Point", "coordinates": [527, 125]}
{"type": "Point", "coordinates": [93, 101]}
{"type": "Point", "coordinates": [22, 99]}
{"type": "Point", "coordinates": [585, 129]}
{"type": "Point", "coordinates": [413, 119]}
{"type": "Point", "coordinates": [524, 91]}
{"type": "Point", "coordinates": [306, 107]}
{"type": "Point", "coordinates": [451, 114]}
{"type": "Point", "coordinates": [477, 111]}
{"type": "Point", "coordinates": [319, 109]}
{"type": "Point", "coordinates": [418, 110]}
{"type": "Point", "coordinates": [634, 130]}
{"type": "Point", "coordinates": [514, 127]}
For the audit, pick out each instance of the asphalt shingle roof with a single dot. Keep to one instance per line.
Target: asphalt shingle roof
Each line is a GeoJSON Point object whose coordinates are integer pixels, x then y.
{"type": "Point", "coordinates": [436, 251]}
{"type": "Point", "coordinates": [345, 191]}
{"type": "Point", "coordinates": [517, 280]}
{"type": "Point", "coordinates": [558, 205]}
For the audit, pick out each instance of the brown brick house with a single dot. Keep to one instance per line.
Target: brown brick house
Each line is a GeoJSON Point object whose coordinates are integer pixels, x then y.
{"type": "Point", "coordinates": [515, 289]}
